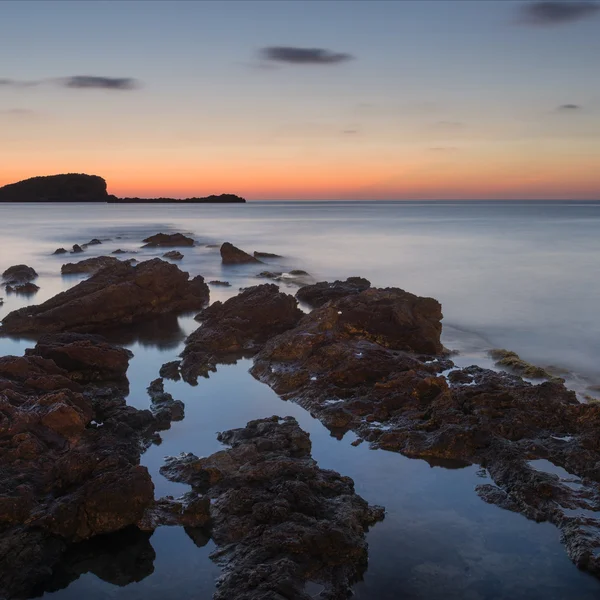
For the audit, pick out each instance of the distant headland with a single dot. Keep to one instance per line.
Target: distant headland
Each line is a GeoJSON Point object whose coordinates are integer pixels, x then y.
{"type": "Point", "coordinates": [79, 187]}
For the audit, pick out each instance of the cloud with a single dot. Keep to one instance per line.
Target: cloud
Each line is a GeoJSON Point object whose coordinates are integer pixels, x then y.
{"type": "Point", "coordinates": [567, 107]}
{"type": "Point", "coordinates": [449, 125]}
{"type": "Point", "coordinates": [17, 112]}
{"type": "Point", "coordinates": [303, 56]}
{"type": "Point", "coordinates": [79, 82]}
{"type": "Point", "coordinates": [350, 131]}
{"type": "Point", "coordinates": [443, 149]}
{"type": "Point", "coordinates": [555, 12]}
{"type": "Point", "coordinates": [99, 83]}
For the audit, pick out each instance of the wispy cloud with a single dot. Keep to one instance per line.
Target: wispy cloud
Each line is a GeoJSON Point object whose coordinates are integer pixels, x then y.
{"type": "Point", "coordinates": [555, 12]}
{"type": "Point", "coordinates": [350, 131]}
{"type": "Point", "coordinates": [303, 56]}
{"type": "Point", "coordinates": [78, 82]}
{"type": "Point", "coordinates": [21, 113]}
{"type": "Point", "coordinates": [449, 125]}
{"type": "Point", "coordinates": [569, 107]}
{"type": "Point", "coordinates": [443, 149]}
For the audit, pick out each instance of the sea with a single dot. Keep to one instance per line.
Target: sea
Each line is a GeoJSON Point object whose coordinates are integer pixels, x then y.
{"type": "Point", "coordinates": [524, 276]}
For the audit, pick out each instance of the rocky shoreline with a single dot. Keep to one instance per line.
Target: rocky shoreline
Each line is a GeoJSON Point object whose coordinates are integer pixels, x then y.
{"type": "Point", "coordinates": [366, 360]}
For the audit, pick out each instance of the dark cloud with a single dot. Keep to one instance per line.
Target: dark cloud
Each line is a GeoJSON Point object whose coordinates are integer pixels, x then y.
{"type": "Point", "coordinates": [554, 12]}
{"type": "Point", "coordinates": [99, 83]}
{"type": "Point", "coordinates": [304, 56]}
{"type": "Point", "coordinates": [569, 107]}
{"type": "Point", "coordinates": [79, 82]}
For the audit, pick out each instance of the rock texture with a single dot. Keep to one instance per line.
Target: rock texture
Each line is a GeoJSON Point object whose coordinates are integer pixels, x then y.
{"type": "Point", "coordinates": [230, 255]}
{"type": "Point", "coordinates": [373, 363]}
{"type": "Point", "coordinates": [266, 255]}
{"type": "Point", "coordinates": [322, 292]}
{"type": "Point", "coordinates": [72, 187]}
{"type": "Point", "coordinates": [173, 255]}
{"type": "Point", "coordinates": [116, 295]}
{"type": "Point", "coordinates": [19, 274]}
{"type": "Point", "coordinates": [167, 239]}
{"type": "Point", "coordinates": [236, 327]}
{"type": "Point", "coordinates": [89, 265]}
{"type": "Point", "coordinates": [25, 289]}
{"type": "Point", "coordinates": [279, 521]}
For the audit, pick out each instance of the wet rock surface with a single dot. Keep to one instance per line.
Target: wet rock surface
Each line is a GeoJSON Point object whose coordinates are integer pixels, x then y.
{"type": "Point", "coordinates": [266, 255]}
{"type": "Point", "coordinates": [116, 295]}
{"type": "Point", "coordinates": [373, 363]}
{"type": "Point", "coordinates": [89, 265]}
{"type": "Point", "coordinates": [322, 292]}
{"type": "Point", "coordinates": [173, 255]}
{"type": "Point", "coordinates": [236, 327]}
{"type": "Point", "coordinates": [69, 460]}
{"type": "Point", "coordinates": [218, 283]}
{"type": "Point", "coordinates": [164, 407]}
{"type": "Point", "coordinates": [19, 274]}
{"type": "Point", "coordinates": [25, 289]}
{"type": "Point", "coordinates": [279, 521]}
{"type": "Point", "coordinates": [167, 239]}
{"type": "Point", "coordinates": [230, 255]}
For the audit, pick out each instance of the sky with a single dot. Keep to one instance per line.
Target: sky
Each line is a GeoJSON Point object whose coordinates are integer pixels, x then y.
{"type": "Point", "coordinates": [306, 99]}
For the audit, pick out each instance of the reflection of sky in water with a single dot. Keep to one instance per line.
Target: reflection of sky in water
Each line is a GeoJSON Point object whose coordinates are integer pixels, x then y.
{"type": "Point", "coordinates": [502, 276]}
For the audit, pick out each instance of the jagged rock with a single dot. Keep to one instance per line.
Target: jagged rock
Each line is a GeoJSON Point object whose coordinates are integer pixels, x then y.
{"type": "Point", "coordinates": [19, 274]}
{"type": "Point", "coordinates": [266, 255]}
{"type": "Point", "coordinates": [167, 239]}
{"type": "Point", "coordinates": [514, 363]}
{"type": "Point", "coordinates": [173, 255]}
{"type": "Point", "coordinates": [25, 289]}
{"type": "Point", "coordinates": [170, 370]}
{"type": "Point", "coordinates": [116, 295]}
{"type": "Point", "coordinates": [277, 518]}
{"type": "Point", "coordinates": [238, 326]}
{"type": "Point", "coordinates": [230, 255]}
{"type": "Point", "coordinates": [60, 251]}
{"type": "Point", "coordinates": [163, 403]}
{"type": "Point", "coordinates": [88, 265]}
{"type": "Point", "coordinates": [93, 242]}
{"type": "Point", "coordinates": [77, 249]}
{"type": "Point", "coordinates": [320, 293]}
{"type": "Point", "coordinates": [219, 283]}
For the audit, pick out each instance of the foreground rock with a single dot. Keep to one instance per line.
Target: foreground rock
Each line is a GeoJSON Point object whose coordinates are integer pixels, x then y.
{"type": "Point", "coordinates": [167, 239]}
{"type": "Point", "coordinates": [373, 362]}
{"type": "Point", "coordinates": [236, 327]}
{"type": "Point", "coordinates": [230, 255]}
{"type": "Point", "coordinates": [116, 295]}
{"type": "Point", "coordinates": [322, 292]}
{"type": "Point", "coordinates": [19, 274]}
{"type": "Point", "coordinates": [279, 521]}
{"type": "Point", "coordinates": [89, 265]}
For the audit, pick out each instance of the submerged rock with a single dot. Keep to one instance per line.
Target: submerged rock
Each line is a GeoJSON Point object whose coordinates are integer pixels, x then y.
{"type": "Point", "coordinates": [170, 370]}
{"type": "Point", "coordinates": [278, 519]}
{"type": "Point", "coordinates": [230, 255]}
{"type": "Point", "coordinates": [164, 407]}
{"type": "Point", "coordinates": [167, 239]}
{"type": "Point", "coordinates": [89, 265]}
{"type": "Point", "coordinates": [320, 293]}
{"type": "Point", "coordinates": [513, 362]}
{"type": "Point", "coordinates": [238, 326]}
{"type": "Point", "coordinates": [60, 251]}
{"type": "Point", "coordinates": [116, 295]}
{"type": "Point", "coordinates": [19, 274]}
{"type": "Point", "coordinates": [219, 283]}
{"type": "Point", "coordinates": [25, 289]}
{"type": "Point", "coordinates": [173, 255]}
{"type": "Point", "coordinates": [77, 249]}
{"type": "Point", "coordinates": [93, 242]}
{"type": "Point", "coordinates": [266, 255]}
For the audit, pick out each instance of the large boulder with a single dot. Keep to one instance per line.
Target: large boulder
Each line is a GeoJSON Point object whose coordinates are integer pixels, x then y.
{"type": "Point", "coordinates": [279, 520]}
{"type": "Point", "coordinates": [18, 274]}
{"type": "Point", "coordinates": [240, 325]}
{"type": "Point", "coordinates": [167, 239]}
{"type": "Point", "coordinates": [116, 295]}
{"type": "Point", "coordinates": [322, 292]}
{"type": "Point", "coordinates": [89, 265]}
{"type": "Point", "coordinates": [230, 255]}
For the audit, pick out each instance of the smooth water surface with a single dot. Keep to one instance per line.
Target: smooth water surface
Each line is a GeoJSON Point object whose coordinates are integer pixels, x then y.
{"type": "Point", "coordinates": [518, 276]}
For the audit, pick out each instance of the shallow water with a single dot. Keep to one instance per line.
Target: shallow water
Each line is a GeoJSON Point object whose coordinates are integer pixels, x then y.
{"type": "Point", "coordinates": [501, 274]}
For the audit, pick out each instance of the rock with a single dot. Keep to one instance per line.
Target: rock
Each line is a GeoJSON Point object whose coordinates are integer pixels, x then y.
{"type": "Point", "coordinates": [25, 289]}
{"type": "Point", "coordinates": [166, 239]}
{"type": "Point", "coordinates": [19, 274]}
{"type": "Point", "coordinates": [71, 187]}
{"type": "Point", "coordinates": [230, 255]}
{"type": "Point", "coordinates": [219, 283]}
{"type": "Point", "coordinates": [320, 293]}
{"type": "Point", "coordinates": [213, 246]}
{"type": "Point", "coordinates": [60, 251]}
{"type": "Point", "coordinates": [89, 265]}
{"type": "Point", "coordinates": [266, 255]}
{"type": "Point", "coordinates": [170, 370]}
{"type": "Point", "coordinates": [93, 242]}
{"type": "Point", "coordinates": [515, 364]}
{"type": "Point", "coordinates": [275, 275]}
{"type": "Point", "coordinates": [87, 358]}
{"type": "Point", "coordinates": [163, 402]}
{"type": "Point", "coordinates": [278, 520]}
{"type": "Point", "coordinates": [173, 255]}
{"type": "Point", "coordinates": [299, 273]}
{"type": "Point", "coordinates": [114, 296]}
{"type": "Point", "coordinates": [294, 277]}
{"type": "Point", "coordinates": [119, 251]}
{"type": "Point", "coordinates": [76, 249]}
{"type": "Point", "coordinates": [238, 326]}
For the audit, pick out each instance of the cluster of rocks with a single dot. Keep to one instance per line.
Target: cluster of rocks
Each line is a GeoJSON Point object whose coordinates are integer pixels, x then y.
{"type": "Point", "coordinates": [279, 521]}
{"type": "Point", "coordinates": [18, 279]}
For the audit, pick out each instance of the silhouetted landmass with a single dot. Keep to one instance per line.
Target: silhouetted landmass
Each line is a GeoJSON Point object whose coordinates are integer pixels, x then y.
{"type": "Point", "coordinates": [79, 187]}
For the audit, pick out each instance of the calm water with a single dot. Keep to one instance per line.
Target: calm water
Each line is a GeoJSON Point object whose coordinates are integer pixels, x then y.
{"type": "Point", "coordinates": [521, 276]}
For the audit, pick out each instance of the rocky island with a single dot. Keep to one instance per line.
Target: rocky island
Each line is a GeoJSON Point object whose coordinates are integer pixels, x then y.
{"type": "Point", "coordinates": [79, 187]}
